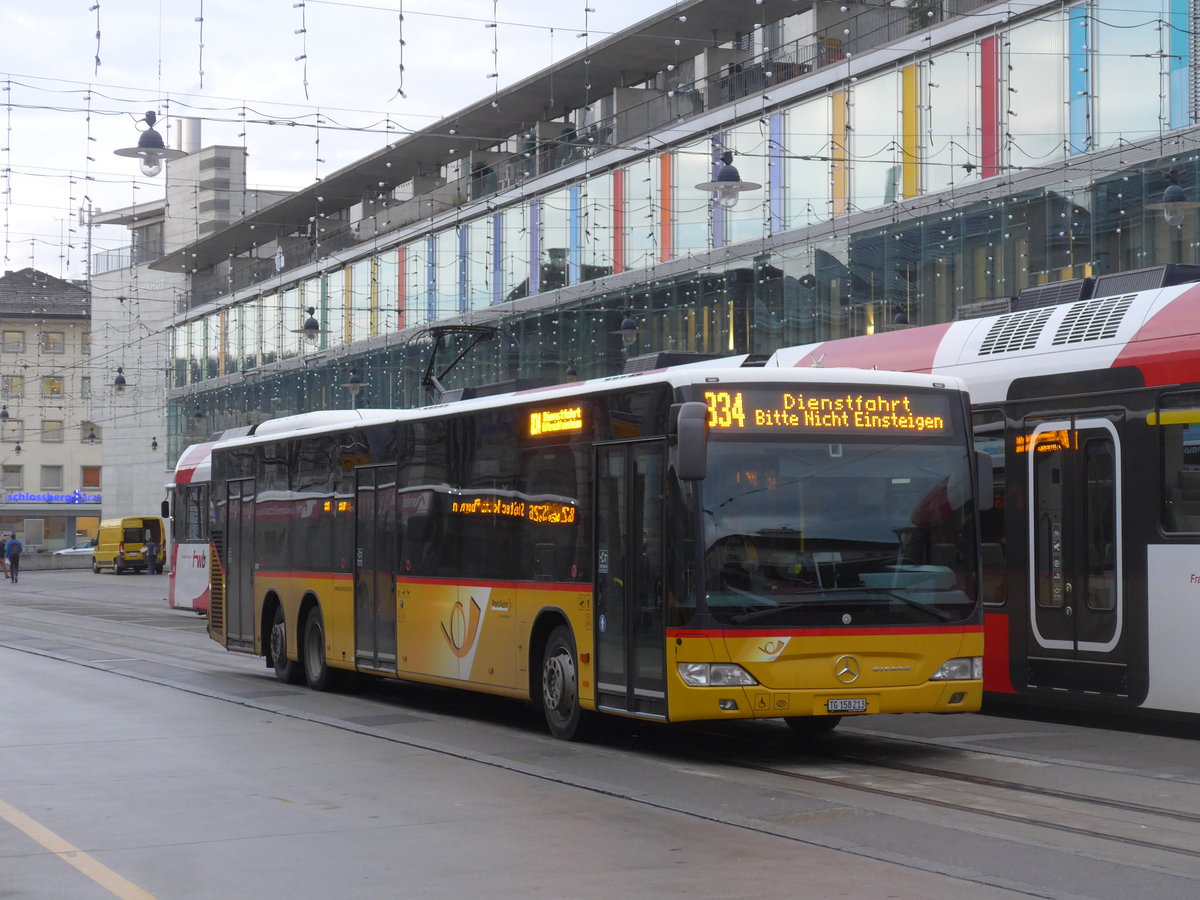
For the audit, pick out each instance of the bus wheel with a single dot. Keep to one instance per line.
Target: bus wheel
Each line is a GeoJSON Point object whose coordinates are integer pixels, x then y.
{"type": "Point", "coordinates": [286, 670]}
{"type": "Point", "coordinates": [812, 724]}
{"type": "Point", "coordinates": [560, 688]}
{"type": "Point", "coordinates": [316, 670]}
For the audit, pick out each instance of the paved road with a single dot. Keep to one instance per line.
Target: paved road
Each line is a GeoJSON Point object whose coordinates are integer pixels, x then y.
{"type": "Point", "coordinates": [140, 759]}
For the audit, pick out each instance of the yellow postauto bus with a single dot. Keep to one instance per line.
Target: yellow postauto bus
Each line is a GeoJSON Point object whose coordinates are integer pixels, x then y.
{"type": "Point", "coordinates": [694, 543]}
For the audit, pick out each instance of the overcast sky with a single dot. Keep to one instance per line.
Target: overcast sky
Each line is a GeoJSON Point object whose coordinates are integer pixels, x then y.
{"type": "Point", "coordinates": [71, 98]}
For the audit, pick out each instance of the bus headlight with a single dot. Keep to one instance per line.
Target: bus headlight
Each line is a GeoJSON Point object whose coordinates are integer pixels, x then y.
{"type": "Point", "coordinates": [964, 668]}
{"type": "Point", "coordinates": [715, 675]}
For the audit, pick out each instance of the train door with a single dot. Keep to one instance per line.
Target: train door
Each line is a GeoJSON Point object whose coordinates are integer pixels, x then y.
{"type": "Point", "coordinates": [239, 556]}
{"type": "Point", "coordinates": [1076, 606]}
{"type": "Point", "coordinates": [375, 568]}
{"type": "Point", "coordinates": [630, 648]}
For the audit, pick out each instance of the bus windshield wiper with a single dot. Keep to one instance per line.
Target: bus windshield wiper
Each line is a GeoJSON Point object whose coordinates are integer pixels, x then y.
{"type": "Point", "coordinates": [940, 614]}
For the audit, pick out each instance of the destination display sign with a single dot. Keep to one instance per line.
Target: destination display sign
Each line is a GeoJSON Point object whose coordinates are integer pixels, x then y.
{"type": "Point", "coordinates": [568, 420]}
{"type": "Point", "coordinates": [823, 410]}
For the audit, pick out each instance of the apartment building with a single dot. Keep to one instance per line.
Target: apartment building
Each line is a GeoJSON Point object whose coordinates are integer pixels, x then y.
{"type": "Point", "coordinates": [50, 444]}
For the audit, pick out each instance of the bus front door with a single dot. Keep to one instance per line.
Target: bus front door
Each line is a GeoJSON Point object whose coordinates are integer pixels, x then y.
{"type": "Point", "coordinates": [375, 568]}
{"type": "Point", "coordinates": [629, 623]}
{"type": "Point", "coordinates": [239, 555]}
{"type": "Point", "coordinates": [1076, 606]}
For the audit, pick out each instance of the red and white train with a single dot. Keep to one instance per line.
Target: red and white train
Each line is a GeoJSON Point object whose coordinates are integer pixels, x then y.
{"type": "Point", "coordinates": [1090, 410]}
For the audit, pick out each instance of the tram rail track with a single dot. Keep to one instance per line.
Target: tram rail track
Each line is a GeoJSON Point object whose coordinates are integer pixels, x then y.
{"type": "Point", "coordinates": [1079, 805]}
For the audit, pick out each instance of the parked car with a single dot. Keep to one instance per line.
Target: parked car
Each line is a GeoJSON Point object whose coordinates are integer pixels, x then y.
{"type": "Point", "coordinates": [83, 548]}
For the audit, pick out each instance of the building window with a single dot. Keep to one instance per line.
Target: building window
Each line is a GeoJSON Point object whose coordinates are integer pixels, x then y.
{"type": "Point", "coordinates": [14, 478]}
{"type": "Point", "coordinates": [14, 341]}
{"type": "Point", "coordinates": [52, 385]}
{"type": "Point", "coordinates": [85, 344]}
{"type": "Point", "coordinates": [89, 478]}
{"type": "Point", "coordinates": [13, 386]}
{"type": "Point", "coordinates": [52, 478]}
{"type": "Point", "coordinates": [85, 386]}
{"type": "Point", "coordinates": [54, 342]}
{"type": "Point", "coordinates": [52, 431]}
{"type": "Point", "coordinates": [12, 430]}
{"type": "Point", "coordinates": [90, 433]}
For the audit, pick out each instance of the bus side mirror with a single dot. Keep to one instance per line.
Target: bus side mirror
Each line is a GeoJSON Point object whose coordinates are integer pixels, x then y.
{"type": "Point", "coordinates": [986, 486]}
{"type": "Point", "coordinates": [165, 510]}
{"type": "Point", "coordinates": [691, 439]}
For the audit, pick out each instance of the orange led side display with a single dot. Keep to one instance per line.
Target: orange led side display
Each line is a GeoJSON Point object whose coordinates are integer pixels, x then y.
{"type": "Point", "coordinates": [1045, 442]}
{"type": "Point", "coordinates": [568, 420]}
{"type": "Point", "coordinates": [540, 512]}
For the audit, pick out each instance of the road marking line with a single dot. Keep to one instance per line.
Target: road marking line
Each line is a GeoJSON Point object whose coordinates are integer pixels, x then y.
{"type": "Point", "coordinates": [73, 856]}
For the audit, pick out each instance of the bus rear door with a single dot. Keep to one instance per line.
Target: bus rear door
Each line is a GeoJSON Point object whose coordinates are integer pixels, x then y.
{"type": "Point", "coordinates": [239, 552]}
{"type": "Point", "coordinates": [1076, 605]}
{"type": "Point", "coordinates": [630, 649]}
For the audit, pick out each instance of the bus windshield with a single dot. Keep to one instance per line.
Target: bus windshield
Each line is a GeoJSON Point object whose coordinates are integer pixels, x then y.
{"type": "Point", "coordinates": [824, 534]}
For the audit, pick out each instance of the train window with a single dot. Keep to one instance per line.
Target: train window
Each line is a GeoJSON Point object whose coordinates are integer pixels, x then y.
{"type": "Point", "coordinates": [1178, 418]}
{"type": "Point", "coordinates": [988, 428]}
{"type": "Point", "coordinates": [1099, 472]}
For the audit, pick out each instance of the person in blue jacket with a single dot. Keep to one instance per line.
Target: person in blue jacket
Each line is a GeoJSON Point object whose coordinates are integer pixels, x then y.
{"type": "Point", "coordinates": [13, 554]}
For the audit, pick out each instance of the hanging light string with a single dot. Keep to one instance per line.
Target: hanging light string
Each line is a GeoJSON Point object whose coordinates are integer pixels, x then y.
{"type": "Point", "coordinates": [7, 148]}
{"type": "Point", "coordinates": [95, 7]}
{"type": "Point", "coordinates": [495, 73]}
{"type": "Point", "coordinates": [317, 148]}
{"type": "Point", "coordinates": [303, 32]}
{"type": "Point", "coordinates": [400, 20]}
{"type": "Point", "coordinates": [587, 61]}
{"type": "Point", "coordinates": [200, 54]}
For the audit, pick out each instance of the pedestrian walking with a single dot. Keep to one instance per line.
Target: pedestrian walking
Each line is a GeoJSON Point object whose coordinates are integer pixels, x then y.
{"type": "Point", "coordinates": [4, 554]}
{"type": "Point", "coordinates": [151, 550]}
{"type": "Point", "coordinates": [13, 554]}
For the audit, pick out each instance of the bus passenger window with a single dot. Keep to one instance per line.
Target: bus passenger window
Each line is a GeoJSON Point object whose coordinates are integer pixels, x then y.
{"type": "Point", "coordinates": [989, 434]}
{"type": "Point", "coordinates": [1179, 428]}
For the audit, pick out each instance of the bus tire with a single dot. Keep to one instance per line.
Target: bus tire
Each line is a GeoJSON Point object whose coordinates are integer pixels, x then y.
{"type": "Point", "coordinates": [802, 725]}
{"type": "Point", "coordinates": [560, 688]}
{"type": "Point", "coordinates": [286, 670]}
{"type": "Point", "coordinates": [316, 669]}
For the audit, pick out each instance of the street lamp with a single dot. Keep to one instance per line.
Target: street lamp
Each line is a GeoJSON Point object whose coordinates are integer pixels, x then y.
{"type": "Point", "coordinates": [628, 330]}
{"type": "Point", "coordinates": [119, 384]}
{"type": "Point", "coordinates": [354, 384]}
{"type": "Point", "coordinates": [728, 184]}
{"type": "Point", "coordinates": [1174, 204]}
{"type": "Point", "coordinates": [150, 149]}
{"type": "Point", "coordinates": [311, 329]}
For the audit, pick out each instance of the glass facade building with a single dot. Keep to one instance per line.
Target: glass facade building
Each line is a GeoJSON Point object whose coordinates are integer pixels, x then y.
{"type": "Point", "coordinates": [946, 160]}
